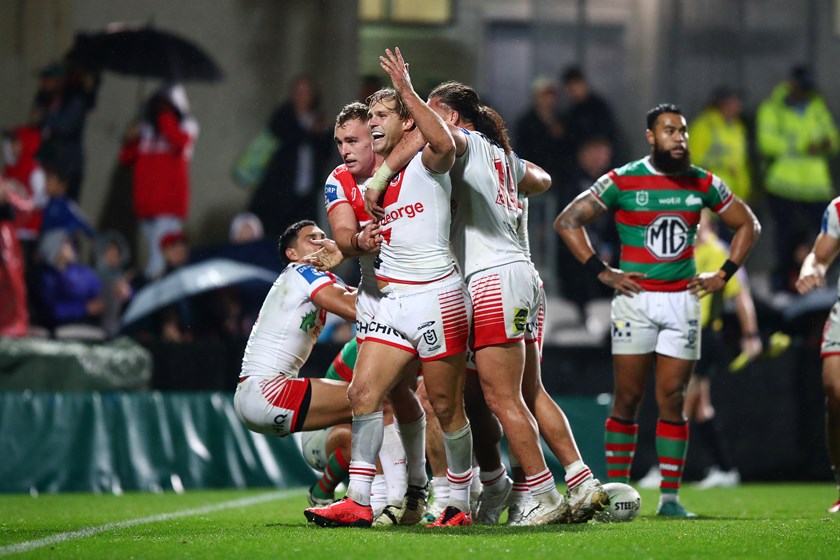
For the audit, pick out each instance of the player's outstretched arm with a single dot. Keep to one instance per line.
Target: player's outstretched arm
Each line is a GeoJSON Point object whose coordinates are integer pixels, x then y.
{"type": "Point", "coordinates": [570, 224]}
{"type": "Point", "coordinates": [440, 153]}
{"type": "Point", "coordinates": [815, 265]}
{"type": "Point", "coordinates": [336, 299]}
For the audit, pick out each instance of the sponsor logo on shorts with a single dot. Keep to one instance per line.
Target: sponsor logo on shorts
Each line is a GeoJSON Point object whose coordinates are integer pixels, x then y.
{"type": "Point", "coordinates": [430, 337]}
{"type": "Point", "coordinates": [282, 423]}
{"type": "Point", "coordinates": [377, 328]}
{"type": "Point", "coordinates": [425, 325]}
{"type": "Point", "coordinates": [692, 339]}
{"type": "Point", "coordinates": [621, 330]}
{"type": "Point", "coordinates": [520, 320]}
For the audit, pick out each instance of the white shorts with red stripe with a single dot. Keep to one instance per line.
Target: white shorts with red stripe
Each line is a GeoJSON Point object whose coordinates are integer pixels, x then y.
{"type": "Point", "coordinates": [367, 304]}
{"type": "Point", "coordinates": [272, 405]}
{"type": "Point", "coordinates": [831, 333]}
{"type": "Point", "coordinates": [506, 301]}
{"type": "Point", "coordinates": [433, 317]}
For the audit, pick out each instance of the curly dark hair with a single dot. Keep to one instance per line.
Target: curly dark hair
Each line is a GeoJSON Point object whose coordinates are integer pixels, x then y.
{"type": "Point", "coordinates": [464, 99]}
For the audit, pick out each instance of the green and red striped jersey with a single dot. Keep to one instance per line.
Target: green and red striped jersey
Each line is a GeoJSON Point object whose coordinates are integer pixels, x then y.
{"type": "Point", "coordinates": [657, 216]}
{"type": "Point", "coordinates": [343, 364]}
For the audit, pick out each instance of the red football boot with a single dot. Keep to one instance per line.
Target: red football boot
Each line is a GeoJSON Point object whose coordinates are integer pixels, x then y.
{"type": "Point", "coordinates": [452, 517]}
{"type": "Point", "coordinates": [343, 513]}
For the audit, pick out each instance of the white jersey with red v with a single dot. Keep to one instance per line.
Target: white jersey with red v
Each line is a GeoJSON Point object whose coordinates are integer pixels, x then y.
{"type": "Point", "coordinates": [415, 229]}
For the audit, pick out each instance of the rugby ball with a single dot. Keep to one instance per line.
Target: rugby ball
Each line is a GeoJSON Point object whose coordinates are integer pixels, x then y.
{"type": "Point", "coordinates": [625, 503]}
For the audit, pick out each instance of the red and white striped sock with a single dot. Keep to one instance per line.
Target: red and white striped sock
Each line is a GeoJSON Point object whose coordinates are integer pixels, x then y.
{"type": "Point", "coordinates": [543, 488]}
{"type": "Point", "coordinates": [361, 479]}
{"type": "Point", "coordinates": [576, 474]}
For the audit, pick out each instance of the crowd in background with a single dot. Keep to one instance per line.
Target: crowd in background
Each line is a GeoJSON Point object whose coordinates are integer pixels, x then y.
{"type": "Point", "coordinates": [58, 270]}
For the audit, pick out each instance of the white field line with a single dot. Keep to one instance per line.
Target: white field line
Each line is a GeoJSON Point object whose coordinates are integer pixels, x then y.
{"type": "Point", "coordinates": [90, 531]}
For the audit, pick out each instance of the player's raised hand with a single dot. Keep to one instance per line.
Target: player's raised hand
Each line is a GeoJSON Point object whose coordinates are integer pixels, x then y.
{"type": "Point", "coordinates": [396, 67]}
{"type": "Point", "coordinates": [624, 282]}
{"type": "Point", "coordinates": [327, 257]}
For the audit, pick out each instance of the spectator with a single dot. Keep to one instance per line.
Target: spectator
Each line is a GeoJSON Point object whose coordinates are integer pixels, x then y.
{"type": "Point", "coordinates": [112, 256]}
{"type": "Point", "coordinates": [66, 94]}
{"type": "Point", "coordinates": [69, 291]}
{"type": "Point", "coordinates": [22, 170]}
{"type": "Point", "coordinates": [718, 141]}
{"type": "Point", "coordinates": [290, 189]}
{"type": "Point", "coordinates": [160, 148]}
{"type": "Point", "coordinates": [14, 315]}
{"type": "Point", "coordinates": [588, 113]}
{"type": "Point", "coordinates": [796, 136]}
{"type": "Point", "coordinates": [61, 212]}
{"type": "Point", "coordinates": [540, 133]}
{"type": "Point", "coordinates": [593, 159]}
{"type": "Point", "coordinates": [245, 227]}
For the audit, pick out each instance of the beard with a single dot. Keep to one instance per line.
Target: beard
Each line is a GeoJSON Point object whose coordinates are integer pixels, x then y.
{"type": "Point", "coordinates": [668, 164]}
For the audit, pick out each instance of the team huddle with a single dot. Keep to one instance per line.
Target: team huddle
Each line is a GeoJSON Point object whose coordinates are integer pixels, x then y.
{"type": "Point", "coordinates": [433, 201]}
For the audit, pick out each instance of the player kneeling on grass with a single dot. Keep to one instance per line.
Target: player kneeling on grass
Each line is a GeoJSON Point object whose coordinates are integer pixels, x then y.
{"type": "Point", "coordinates": [270, 397]}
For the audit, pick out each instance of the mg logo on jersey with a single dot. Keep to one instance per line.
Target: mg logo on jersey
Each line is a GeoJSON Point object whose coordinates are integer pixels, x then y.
{"type": "Point", "coordinates": [642, 198]}
{"type": "Point", "coordinates": [667, 237]}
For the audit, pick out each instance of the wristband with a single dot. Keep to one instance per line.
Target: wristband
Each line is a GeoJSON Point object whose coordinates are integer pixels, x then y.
{"type": "Point", "coordinates": [380, 179]}
{"type": "Point", "coordinates": [753, 334]}
{"type": "Point", "coordinates": [594, 265]}
{"type": "Point", "coordinates": [356, 237]}
{"type": "Point", "coordinates": [728, 269]}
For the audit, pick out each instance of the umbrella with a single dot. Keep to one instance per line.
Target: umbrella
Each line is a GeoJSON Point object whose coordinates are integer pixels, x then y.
{"type": "Point", "coordinates": [191, 280]}
{"type": "Point", "coordinates": [145, 52]}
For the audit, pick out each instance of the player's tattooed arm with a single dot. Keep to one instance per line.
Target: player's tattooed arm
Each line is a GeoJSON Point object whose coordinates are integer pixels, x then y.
{"type": "Point", "coordinates": [570, 224]}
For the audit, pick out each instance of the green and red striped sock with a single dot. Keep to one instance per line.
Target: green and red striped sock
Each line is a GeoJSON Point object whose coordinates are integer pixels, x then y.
{"type": "Point", "coordinates": [334, 473]}
{"type": "Point", "coordinates": [620, 445]}
{"type": "Point", "coordinates": [671, 446]}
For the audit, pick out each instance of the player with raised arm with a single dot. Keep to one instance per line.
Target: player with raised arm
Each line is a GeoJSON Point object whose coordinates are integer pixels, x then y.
{"type": "Point", "coordinates": [270, 397]}
{"type": "Point", "coordinates": [425, 301]}
{"type": "Point", "coordinates": [812, 275]}
{"type": "Point", "coordinates": [655, 310]}
{"type": "Point", "coordinates": [357, 235]}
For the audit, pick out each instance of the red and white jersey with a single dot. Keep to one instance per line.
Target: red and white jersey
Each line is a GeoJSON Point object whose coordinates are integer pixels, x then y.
{"type": "Point", "coordinates": [522, 227]}
{"type": "Point", "coordinates": [415, 230]}
{"type": "Point", "coordinates": [485, 205]}
{"type": "Point", "coordinates": [342, 187]}
{"type": "Point", "coordinates": [288, 324]}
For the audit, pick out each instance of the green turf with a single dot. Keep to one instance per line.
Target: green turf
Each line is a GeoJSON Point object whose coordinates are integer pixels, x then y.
{"type": "Point", "coordinates": [752, 521]}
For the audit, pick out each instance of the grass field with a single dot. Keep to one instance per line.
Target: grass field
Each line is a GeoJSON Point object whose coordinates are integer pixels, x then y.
{"type": "Point", "coordinates": [752, 521]}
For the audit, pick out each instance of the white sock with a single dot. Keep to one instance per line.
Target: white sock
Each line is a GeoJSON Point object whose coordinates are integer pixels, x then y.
{"type": "Point", "coordinates": [494, 480]}
{"type": "Point", "coordinates": [576, 474]}
{"type": "Point", "coordinates": [413, 437]}
{"type": "Point", "coordinates": [378, 495]}
{"type": "Point", "coordinates": [367, 439]}
{"type": "Point", "coordinates": [440, 487]}
{"type": "Point", "coordinates": [544, 489]}
{"type": "Point", "coordinates": [392, 457]}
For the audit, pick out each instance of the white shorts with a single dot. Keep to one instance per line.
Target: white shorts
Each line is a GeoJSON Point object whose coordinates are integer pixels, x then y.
{"type": "Point", "coordinates": [667, 323]}
{"type": "Point", "coordinates": [434, 318]}
{"type": "Point", "coordinates": [272, 405]}
{"type": "Point", "coordinates": [314, 447]}
{"type": "Point", "coordinates": [831, 333]}
{"type": "Point", "coordinates": [505, 302]}
{"type": "Point", "coordinates": [367, 303]}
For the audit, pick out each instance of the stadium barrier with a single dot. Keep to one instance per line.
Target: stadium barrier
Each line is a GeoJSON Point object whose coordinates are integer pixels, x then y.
{"type": "Point", "coordinates": [153, 441]}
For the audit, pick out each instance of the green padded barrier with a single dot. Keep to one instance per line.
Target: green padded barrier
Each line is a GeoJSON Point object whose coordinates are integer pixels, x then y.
{"type": "Point", "coordinates": [110, 442]}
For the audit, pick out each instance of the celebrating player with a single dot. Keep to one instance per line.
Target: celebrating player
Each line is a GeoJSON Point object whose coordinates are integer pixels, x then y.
{"type": "Point", "coordinates": [425, 303]}
{"type": "Point", "coordinates": [812, 275]}
{"type": "Point", "coordinates": [655, 310]}
{"type": "Point", "coordinates": [270, 397]}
